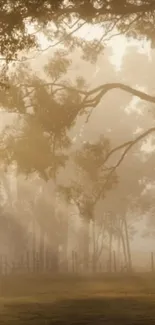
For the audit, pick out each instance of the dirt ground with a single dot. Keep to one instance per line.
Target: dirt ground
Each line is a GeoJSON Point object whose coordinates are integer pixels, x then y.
{"type": "Point", "coordinates": [110, 300]}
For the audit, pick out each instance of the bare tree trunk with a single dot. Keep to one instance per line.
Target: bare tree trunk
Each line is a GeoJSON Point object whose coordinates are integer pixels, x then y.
{"type": "Point", "coordinates": [34, 243]}
{"type": "Point", "coordinates": [122, 239]}
{"type": "Point", "coordinates": [55, 247]}
{"type": "Point", "coordinates": [65, 245]}
{"type": "Point", "coordinates": [42, 250]}
{"type": "Point", "coordinates": [118, 250]}
{"type": "Point", "coordinates": [86, 226]}
{"type": "Point", "coordinates": [94, 257]}
{"type": "Point", "coordinates": [127, 244]}
{"type": "Point", "coordinates": [110, 249]}
{"type": "Point", "coordinates": [124, 249]}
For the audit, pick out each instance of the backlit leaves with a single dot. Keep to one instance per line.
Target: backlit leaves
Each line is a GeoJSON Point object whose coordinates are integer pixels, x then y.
{"type": "Point", "coordinates": [57, 65]}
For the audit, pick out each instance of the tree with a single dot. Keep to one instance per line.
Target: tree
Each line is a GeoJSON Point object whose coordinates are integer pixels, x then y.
{"type": "Point", "coordinates": [38, 114]}
{"type": "Point", "coordinates": [72, 102]}
{"type": "Point", "coordinates": [135, 19]}
{"type": "Point", "coordinates": [38, 111]}
{"type": "Point", "coordinates": [90, 183]}
{"type": "Point", "coordinates": [41, 124]}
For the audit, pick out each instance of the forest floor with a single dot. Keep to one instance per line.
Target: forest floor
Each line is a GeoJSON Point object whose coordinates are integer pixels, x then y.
{"type": "Point", "coordinates": [110, 300]}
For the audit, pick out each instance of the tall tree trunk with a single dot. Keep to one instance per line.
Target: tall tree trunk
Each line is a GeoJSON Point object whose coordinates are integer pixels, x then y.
{"type": "Point", "coordinates": [124, 249]}
{"type": "Point", "coordinates": [122, 239]}
{"type": "Point", "coordinates": [42, 250]}
{"type": "Point", "coordinates": [94, 253]}
{"type": "Point", "coordinates": [86, 226]}
{"type": "Point", "coordinates": [55, 247]}
{"type": "Point", "coordinates": [118, 250]}
{"type": "Point", "coordinates": [110, 249]}
{"type": "Point", "coordinates": [65, 244]}
{"type": "Point", "coordinates": [34, 243]}
{"type": "Point", "coordinates": [127, 244]}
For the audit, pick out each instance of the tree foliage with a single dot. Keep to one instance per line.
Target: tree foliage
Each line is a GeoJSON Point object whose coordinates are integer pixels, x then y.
{"type": "Point", "coordinates": [47, 111]}
{"type": "Point", "coordinates": [91, 180]}
{"type": "Point", "coordinates": [134, 18]}
{"type": "Point", "coordinates": [44, 116]}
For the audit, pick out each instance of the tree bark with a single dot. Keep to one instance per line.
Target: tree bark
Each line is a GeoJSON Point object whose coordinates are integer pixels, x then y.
{"type": "Point", "coordinates": [124, 250]}
{"type": "Point", "coordinates": [110, 251]}
{"type": "Point", "coordinates": [86, 225]}
{"type": "Point", "coordinates": [127, 244]}
{"type": "Point", "coordinates": [94, 257]}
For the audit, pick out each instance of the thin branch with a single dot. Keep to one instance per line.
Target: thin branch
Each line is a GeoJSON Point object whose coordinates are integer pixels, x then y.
{"type": "Point", "coordinates": [125, 30]}
{"type": "Point", "coordinates": [74, 24]}
{"type": "Point", "coordinates": [128, 146]}
{"type": "Point", "coordinates": [122, 146]}
{"type": "Point", "coordinates": [132, 143]}
{"type": "Point", "coordinates": [61, 86]}
{"type": "Point", "coordinates": [62, 39]}
{"type": "Point", "coordinates": [110, 29]}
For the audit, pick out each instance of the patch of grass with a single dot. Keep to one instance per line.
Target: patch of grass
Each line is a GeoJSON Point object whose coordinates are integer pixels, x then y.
{"type": "Point", "coordinates": [78, 300]}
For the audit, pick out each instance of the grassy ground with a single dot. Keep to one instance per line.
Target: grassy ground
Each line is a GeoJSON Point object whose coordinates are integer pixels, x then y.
{"type": "Point", "coordinates": [110, 300]}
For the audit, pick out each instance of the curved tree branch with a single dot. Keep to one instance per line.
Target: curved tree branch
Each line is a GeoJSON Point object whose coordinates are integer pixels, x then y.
{"type": "Point", "coordinates": [98, 92]}
{"type": "Point", "coordinates": [127, 145]}
{"type": "Point", "coordinates": [103, 89]}
{"type": "Point", "coordinates": [90, 99]}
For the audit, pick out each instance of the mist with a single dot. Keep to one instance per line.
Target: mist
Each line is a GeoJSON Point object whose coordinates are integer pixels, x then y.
{"type": "Point", "coordinates": [49, 221]}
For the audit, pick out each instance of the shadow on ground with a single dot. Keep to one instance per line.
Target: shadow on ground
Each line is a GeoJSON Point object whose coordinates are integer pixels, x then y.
{"type": "Point", "coordinates": [109, 311]}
